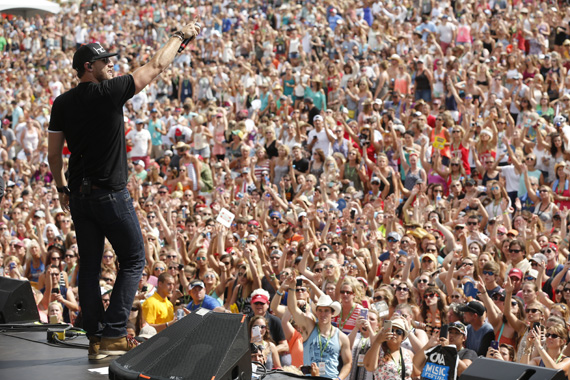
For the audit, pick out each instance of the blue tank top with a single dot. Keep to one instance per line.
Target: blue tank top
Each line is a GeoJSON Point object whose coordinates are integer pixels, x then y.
{"type": "Point", "coordinates": [35, 272]}
{"type": "Point", "coordinates": [327, 351]}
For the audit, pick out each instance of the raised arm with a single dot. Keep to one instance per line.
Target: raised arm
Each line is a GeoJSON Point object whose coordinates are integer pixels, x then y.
{"type": "Point", "coordinates": [163, 58]}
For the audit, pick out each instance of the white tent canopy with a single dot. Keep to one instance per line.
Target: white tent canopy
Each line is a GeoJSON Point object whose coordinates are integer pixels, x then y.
{"type": "Point", "coordinates": [28, 8]}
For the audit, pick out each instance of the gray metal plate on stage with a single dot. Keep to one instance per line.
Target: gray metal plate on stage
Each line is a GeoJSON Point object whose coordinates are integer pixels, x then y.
{"type": "Point", "coordinates": [23, 359]}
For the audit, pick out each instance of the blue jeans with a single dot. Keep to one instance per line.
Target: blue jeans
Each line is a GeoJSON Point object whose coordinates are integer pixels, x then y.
{"type": "Point", "coordinates": [107, 214]}
{"type": "Point", "coordinates": [423, 94]}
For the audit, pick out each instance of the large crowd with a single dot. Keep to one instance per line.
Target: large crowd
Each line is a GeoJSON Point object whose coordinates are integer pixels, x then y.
{"type": "Point", "coordinates": [393, 169]}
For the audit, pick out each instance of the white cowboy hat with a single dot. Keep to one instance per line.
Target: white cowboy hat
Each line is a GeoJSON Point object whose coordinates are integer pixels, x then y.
{"type": "Point", "coordinates": [326, 301]}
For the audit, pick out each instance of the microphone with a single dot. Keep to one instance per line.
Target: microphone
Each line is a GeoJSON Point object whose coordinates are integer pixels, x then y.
{"type": "Point", "coordinates": [187, 40]}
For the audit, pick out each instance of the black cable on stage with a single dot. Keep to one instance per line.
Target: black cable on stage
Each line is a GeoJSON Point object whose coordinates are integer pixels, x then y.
{"type": "Point", "coordinates": [59, 343]}
{"type": "Point", "coordinates": [30, 340]}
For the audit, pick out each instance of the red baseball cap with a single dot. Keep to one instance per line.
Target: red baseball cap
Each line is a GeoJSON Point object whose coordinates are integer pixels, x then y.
{"type": "Point", "coordinates": [259, 298]}
{"type": "Point", "coordinates": [516, 272]}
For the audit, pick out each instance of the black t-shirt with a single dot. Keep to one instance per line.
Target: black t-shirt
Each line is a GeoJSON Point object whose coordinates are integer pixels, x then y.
{"type": "Point", "coordinates": [91, 118]}
{"type": "Point", "coordinates": [302, 165]}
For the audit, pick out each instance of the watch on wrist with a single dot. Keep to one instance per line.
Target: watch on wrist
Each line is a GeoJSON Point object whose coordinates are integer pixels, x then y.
{"type": "Point", "coordinates": [63, 189]}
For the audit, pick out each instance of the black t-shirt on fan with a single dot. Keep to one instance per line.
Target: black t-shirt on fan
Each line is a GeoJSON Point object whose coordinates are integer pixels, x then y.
{"type": "Point", "coordinates": [91, 118]}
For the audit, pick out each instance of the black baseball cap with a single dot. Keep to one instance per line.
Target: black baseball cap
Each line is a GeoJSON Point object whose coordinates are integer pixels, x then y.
{"type": "Point", "coordinates": [473, 307]}
{"type": "Point", "coordinates": [90, 53]}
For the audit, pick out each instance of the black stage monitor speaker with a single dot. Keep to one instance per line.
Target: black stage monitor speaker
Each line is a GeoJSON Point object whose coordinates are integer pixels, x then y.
{"type": "Point", "coordinates": [491, 369]}
{"type": "Point", "coordinates": [17, 303]}
{"type": "Point", "coordinates": [203, 345]}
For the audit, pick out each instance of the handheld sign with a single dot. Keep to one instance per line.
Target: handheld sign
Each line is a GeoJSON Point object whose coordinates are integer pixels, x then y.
{"type": "Point", "coordinates": [225, 218]}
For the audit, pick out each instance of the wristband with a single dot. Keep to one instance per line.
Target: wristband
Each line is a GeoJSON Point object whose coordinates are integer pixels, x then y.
{"type": "Point", "coordinates": [292, 289]}
{"type": "Point", "coordinates": [279, 293]}
{"type": "Point", "coordinates": [63, 189]}
{"type": "Point", "coordinates": [166, 324]}
{"type": "Point", "coordinates": [178, 34]}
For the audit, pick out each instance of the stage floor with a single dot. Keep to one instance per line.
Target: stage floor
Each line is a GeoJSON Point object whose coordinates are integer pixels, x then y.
{"type": "Point", "coordinates": [26, 356]}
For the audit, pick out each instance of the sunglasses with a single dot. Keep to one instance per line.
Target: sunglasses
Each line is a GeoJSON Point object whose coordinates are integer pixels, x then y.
{"type": "Point", "coordinates": [553, 336]}
{"type": "Point", "coordinates": [329, 267]}
{"type": "Point", "coordinates": [66, 256]}
{"type": "Point", "coordinates": [259, 303]}
{"type": "Point", "coordinates": [471, 223]}
{"type": "Point", "coordinates": [398, 332]}
{"type": "Point", "coordinates": [200, 259]}
{"type": "Point", "coordinates": [173, 268]}
{"type": "Point", "coordinates": [104, 60]}
{"type": "Point", "coordinates": [455, 296]}
{"type": "Point", "coordinates": [160, 268]}
{"type": "Point", "coordinates": [529, 311]}
{"type": "Point", "coordinates": [402, 289]}
{"type": "Point", "coordinates": [423, 281]}
{"type": "Point", "coordinates": [529, 278]}
{"type": "Point", "coordinates": [378, 298]}
{"type": "Point", "coordinates": [318, 270]}
{"type": "Point", "coordinates": [250, 241]}
{"type": "Point", "coordinates": [489, 273]}
{"type": "Point", "coordinates": [431, 295]}
{"type": "Point", "coordinates": [391, 240]}
{"type": "Point", "coordinates": [515, 250]}
{"type": "Point", "coordinates": [346, 292]}
{"type": "Point", "coordinates": [301, 290]}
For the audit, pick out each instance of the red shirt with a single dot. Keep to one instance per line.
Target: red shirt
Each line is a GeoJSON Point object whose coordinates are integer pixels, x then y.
{"type": "Point", "coordinates": [347, 323]}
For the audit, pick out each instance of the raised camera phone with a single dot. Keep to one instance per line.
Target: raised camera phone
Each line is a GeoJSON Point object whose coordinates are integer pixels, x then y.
{"type": "Point", "coordinates": [388, 325]}
{"type": "Point", "coordinates": [443, 333]}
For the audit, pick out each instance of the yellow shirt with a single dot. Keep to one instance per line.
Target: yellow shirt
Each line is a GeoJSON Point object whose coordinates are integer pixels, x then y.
{"type": "Point", "coordinates": [157, 310]}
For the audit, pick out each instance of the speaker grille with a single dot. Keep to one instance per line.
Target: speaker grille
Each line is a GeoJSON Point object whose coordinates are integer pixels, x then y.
{"type": "Point", "coordinates": [17, 303]}
{"type": "Point", "coordinates": [196, 347]}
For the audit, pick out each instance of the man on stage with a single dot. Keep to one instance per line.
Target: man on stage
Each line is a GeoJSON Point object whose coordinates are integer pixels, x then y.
{"type": "Point", "coordinates": [90, 118]}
